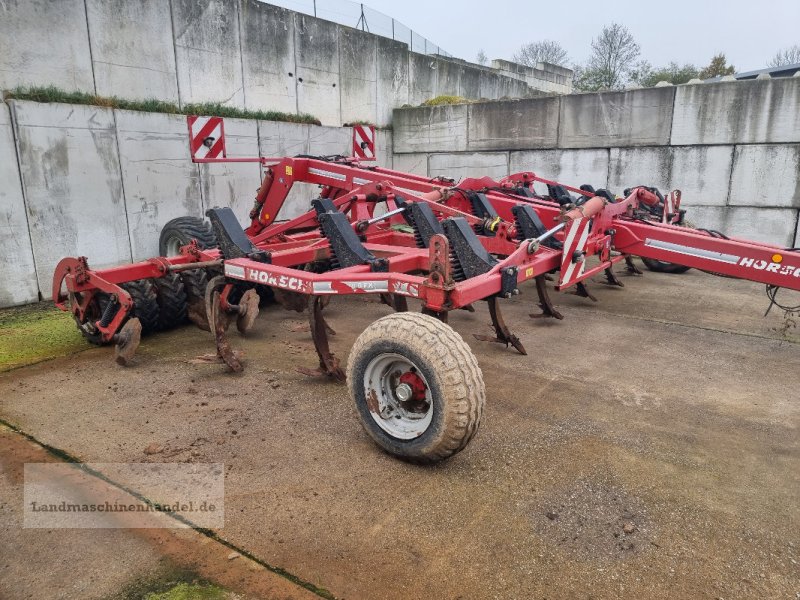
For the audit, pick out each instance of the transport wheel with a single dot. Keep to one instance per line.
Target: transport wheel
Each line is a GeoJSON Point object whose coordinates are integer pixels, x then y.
{"type": "Point", "coordinates": [171, 295]}
{"type": "Point", "coordinates": [662, 266]}
{"type": "Point", "coordinates": [145, 303]}
{"type": "Point", "coordinates": [179, 232]}
{"type": "Point", "coordinates": [417, 387]}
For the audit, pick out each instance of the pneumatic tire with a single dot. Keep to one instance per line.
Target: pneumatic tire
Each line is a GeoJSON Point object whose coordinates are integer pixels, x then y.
{"type": "Point", "coordinates": [662, 266]}
{"type": "Point", "coordinates": [424, 351]}
{"type": "Point", "coordinates": [179, 232]}
{"type": "Point", "coordinates": [145, 303]}
{"type": "Point", "coordinates": [171, 296]}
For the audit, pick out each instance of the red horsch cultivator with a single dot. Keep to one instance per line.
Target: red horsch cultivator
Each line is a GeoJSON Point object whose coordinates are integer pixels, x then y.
{"type": "Point", "coordinates": [416, 384]}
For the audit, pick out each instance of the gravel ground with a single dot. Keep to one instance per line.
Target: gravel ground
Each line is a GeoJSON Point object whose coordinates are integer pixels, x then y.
{"type": "Point", "coordinates": [646, 446]}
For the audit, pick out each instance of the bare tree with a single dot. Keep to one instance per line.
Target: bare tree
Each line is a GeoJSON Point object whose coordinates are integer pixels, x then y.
{"type": "Point", "coordinates": [544, 51]}
{"type": "Point", "coordinates": [614, 54]}
{"type": "Point", "coordinates": [481, 58]}
{"type": "Point", "coordinates": [787, 56]}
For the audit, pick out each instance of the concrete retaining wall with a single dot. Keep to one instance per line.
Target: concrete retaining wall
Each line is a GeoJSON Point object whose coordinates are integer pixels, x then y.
{"type": "Point", "coordinates": [242, 53]}
{"type": "Point", "coordinates": [733, 149]}
{"type": "Point", "coordinates": [102, 183]}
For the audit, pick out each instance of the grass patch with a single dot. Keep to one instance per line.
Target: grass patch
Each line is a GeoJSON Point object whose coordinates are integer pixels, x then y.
{"type": "Point", "coordinates": [54, 94]}
{"type": "Point", "coordinates": [444, 100]}
{"type": "Point", "coordinates": [31, 334]}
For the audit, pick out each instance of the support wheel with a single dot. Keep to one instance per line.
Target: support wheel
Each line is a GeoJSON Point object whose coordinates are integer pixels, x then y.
{"type": "Point", "coordinates": [171, 301]}
{"type": "Point", "coordinates": [179, 232]}
{"type": "Point", "coordinates": [662, 266]}
{"type": "Point", "coordinates": [417, 387]}
{"type": "Point", "coordinates": [145, 303]}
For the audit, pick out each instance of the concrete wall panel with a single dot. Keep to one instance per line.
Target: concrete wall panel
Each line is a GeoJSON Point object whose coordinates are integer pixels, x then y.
{"type": "Point", "coordinates": [470, 83]}
{"type": "Point", "coordinates": [633, 118]}
{"type": "Point", "coordinates": [392, 86]}
{"type": "Point", "coordinates": [270, 78]}
{"type": "Point", "coordinates": [448, 77]}
{"type": "Point", "coordinates": [45, 43]}
{"type": "Point", "coordinates": [159, 178]}
{"type": "Point", "coordinates": [431, 129]}
{"type": "Point", "coordinates": [701, 173]}
{"type": "Point", "coordinates": [132, 49]}
{"type": "Point", "coordinates": [358, 64]}
{"type": "Point", "coordinates": [411, 163]}
{"type": "Point", "coordinates": [18, 283]}
{"type": "Point", "coordinates": [324, 141]}
{"type": "Point", "coordinates": [73, 191]}
{"type": "Point", "coordinates": [490, 85]}
{"type": "Point", "coordinates": [384, 148]}
{"type": "Point", "coordinates": [766, 176]}
{"type": "Point", "coordinates": [209, 61]}
{"type": "Point", "coordinates": [317, 56]}
{"type": "Point", "coordinates": [234, 184]}
{"type": "Point", "coordinates": [422, 77]}
{"type": "Point", "coordinates": [288, 139]}
{"type": "Point", "coordinates": [573, 167]}
{"type": "Point", "coordinates": [768, 225]}
{"type": "Point", "coordinates": [514, 125]}
{"type": "Point", "coordinates": [738, 112]}
{"type": "Point", "coordinates": [462, 165]}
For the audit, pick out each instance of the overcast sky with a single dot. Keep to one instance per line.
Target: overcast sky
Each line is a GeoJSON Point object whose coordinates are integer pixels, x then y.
{"type": "Point", "coordinates": [749, 32]}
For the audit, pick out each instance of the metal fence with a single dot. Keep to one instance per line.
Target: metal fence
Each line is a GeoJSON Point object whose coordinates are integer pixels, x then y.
{"type": "Point", "coordinates": [360, 16]}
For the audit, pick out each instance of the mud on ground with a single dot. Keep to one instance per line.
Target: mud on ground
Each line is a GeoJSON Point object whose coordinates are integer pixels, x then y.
{"type": "Point", "coordinates": [646, 446]}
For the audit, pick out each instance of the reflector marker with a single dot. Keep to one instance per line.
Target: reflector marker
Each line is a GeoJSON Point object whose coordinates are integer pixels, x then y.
{"type": "Point", "coordinates": [689, 251]}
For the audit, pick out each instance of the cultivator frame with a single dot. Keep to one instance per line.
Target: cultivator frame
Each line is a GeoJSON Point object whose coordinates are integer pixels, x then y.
{"type": "Point", "coordinates": [444, 244]}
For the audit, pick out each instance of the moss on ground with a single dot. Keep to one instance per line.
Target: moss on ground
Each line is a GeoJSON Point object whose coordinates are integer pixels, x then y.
{"type": "Point", "coordinates": [443, 100]}
{"type": "Point", "coordinates": [191, 591]}
{"type": "Point", "coordinates": [54, 94]}
{"type": "Point", "coordinates": [31, 334]}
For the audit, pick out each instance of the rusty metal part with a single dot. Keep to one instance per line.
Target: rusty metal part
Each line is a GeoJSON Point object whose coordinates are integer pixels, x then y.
{"type": "Point", "coordinates": [248, 311]}
{"type": "Point", "coordinates": [548, 310]}
{"type": "Point", "coordinates": [127, 341]}
{"type": "Point", "coordinates": [631, 267]}
{"type": "Point", "coordinates": [196, 311]}
{"type": "Point", "coordinates": [582, 291]}
{"type": "Point", "coordinates": [220, 321]}
{"type": "Point", "coordinates": [612, 279]}
{"type": "Point", "coordinates": [502, 333]}
{"type": "Point", "coordinates": [195, 265]}
{"type": "Point", "coordinates": [328, 363]}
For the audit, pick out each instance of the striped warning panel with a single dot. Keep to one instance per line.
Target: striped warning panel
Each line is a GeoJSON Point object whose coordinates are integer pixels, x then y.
{"type": "Point", "coordinates": [572, 263]}
{"type": "Point", "coordinates": [672, 204]}
{"type": "Point", "coordinates": [364, 142]}
{"type": "Point", "coordinates": [206, 137]}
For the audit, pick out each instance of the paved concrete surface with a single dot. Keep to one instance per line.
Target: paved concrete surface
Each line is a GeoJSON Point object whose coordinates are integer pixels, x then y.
{"type": "Point", "coordinates": [646, 447]}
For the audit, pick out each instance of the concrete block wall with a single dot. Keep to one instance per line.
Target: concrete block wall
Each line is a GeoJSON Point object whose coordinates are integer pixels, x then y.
{"type": "Point", "coordinates": [101, 183]}
{"type": "Point", "coordinates": [732, 148]}
{"type": "Point", "coordinates": [242, 53]}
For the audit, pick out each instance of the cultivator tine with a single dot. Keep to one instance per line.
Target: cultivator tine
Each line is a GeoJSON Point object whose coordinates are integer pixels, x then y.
{"type": "Point", "coordinates": [612, 279]}
{"type": "Point", "coordinates": [631, 267]}
{"type": "Point", "coordinates": [396, 301]}
{"type": "Point", "coordinates": [502, 334]}
{"type": "Point", "coordinates": [220, 320]}
{"type": "Point", "coordinates": [583, 291]}
{"type": "Point", "coordinates": [441, 315]}
{"type": "Point", "coordinates": [328, 363]}
{"type": "Point", "coordinates": [196, 311]}
{"type": "Point", "coordinates": [548, 310]}
{"type": "Point", "coordinates": [127, 341]}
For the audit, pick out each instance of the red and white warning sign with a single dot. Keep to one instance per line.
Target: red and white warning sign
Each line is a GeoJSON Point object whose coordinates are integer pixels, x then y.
{"type": "Point", "coordinates": [206, 137]}
{"type": "Point", "coordinates": [364, 142]}
{"type": "Point", "coordinates": [573, 258]}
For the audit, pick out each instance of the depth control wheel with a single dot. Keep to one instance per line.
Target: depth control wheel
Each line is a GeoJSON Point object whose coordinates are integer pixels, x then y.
{"type": "Point", "coordinates": [417, 387]}
{"type": "Point", "coordinates": [662, 266]}
{"type": "Point", "coordinates": [179, 232]}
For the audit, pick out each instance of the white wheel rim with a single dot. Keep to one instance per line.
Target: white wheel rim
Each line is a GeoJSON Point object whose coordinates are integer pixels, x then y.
{"type": "Point", "coordinates": [174, 246]}
{"type": "Point", "coordinates": [401, 420]}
